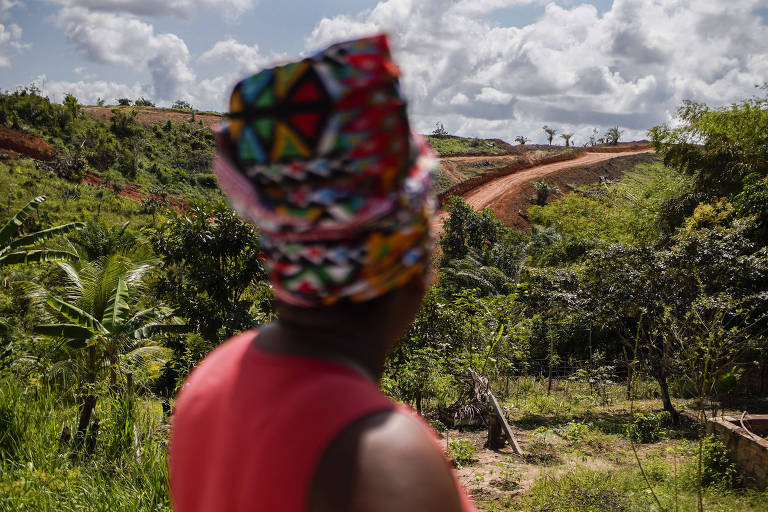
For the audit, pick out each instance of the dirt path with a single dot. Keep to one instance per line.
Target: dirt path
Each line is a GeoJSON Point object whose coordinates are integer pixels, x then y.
{"type": "Point", "coordinates": [486, 195]}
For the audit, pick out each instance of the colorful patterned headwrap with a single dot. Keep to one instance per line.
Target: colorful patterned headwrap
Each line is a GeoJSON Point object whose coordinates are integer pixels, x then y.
{"type": "Point", "coordinates": [318, 154]}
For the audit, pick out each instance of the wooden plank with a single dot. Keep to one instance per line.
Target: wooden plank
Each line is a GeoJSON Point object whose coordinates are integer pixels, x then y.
{"type": "Point", "coordinates": [499, 414]}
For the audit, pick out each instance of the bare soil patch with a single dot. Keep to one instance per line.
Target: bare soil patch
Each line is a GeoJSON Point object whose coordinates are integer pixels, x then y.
{"type": "Point", "coordinates": [25, 143]}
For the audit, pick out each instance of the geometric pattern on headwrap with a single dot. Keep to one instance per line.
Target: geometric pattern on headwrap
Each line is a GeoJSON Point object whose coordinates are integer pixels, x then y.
{"type": "Point", "coordinates": [319, 155]}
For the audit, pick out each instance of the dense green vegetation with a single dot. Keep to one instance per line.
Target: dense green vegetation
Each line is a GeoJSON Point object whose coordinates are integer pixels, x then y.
{"type": "Point", "coordinates": [449, 145]}
{"type": "Point", "coordinates": [171, 157]}
{"type": "Point", "coordinates": [647, 292]}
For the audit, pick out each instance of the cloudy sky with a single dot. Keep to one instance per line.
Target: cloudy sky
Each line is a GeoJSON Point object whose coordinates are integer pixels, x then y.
{"type": "Point", "coordinates": [489, 68]}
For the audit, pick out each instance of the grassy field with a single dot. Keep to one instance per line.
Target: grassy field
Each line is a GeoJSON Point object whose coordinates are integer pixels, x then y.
{"type": "Point", "coordinates": [578, 454]}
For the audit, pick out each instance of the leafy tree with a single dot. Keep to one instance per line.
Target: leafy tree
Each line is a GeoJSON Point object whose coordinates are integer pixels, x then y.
{"type": "Point", "coordinates": [613, 135]}
{"type": "Point", "coordinates": [439, 130]}
{"type": "Point", "coordinates": [719, 147]}
{"type": "Point", "coordinates": [71, 104]}
{"type": "Point", "coordinates": [466, 230]}
{"type": "Point", "coordinates": [550, 132]}
{"type": "Point", "coordinates": [210, 265]}
{"type": "Point", "coordinates": [124, 125]}
{"type": "Point", "coordinates": [567, 138]}
{"type": "Point", "coordinates": [522, 140]}
{"type": "Point", "coordinates": [143, 102]}
{"type": "Point", "coordinates": [124, 102]}
{"type": "Point", "coordinates": [181, 105]}
{"type": "Point", "coordinates": [18, 251]}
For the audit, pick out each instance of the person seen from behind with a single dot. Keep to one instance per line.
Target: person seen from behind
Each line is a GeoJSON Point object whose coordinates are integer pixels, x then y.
{"type": "Point", "coordinates": [319, 155]}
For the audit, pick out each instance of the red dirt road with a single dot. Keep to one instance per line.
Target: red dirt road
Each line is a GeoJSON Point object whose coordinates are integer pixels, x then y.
{"type": "Point", "coordinates": [488, 194]}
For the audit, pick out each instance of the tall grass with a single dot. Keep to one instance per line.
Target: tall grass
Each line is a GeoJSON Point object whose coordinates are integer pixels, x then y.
{"type": "Point", "coordinates": [126, 471]}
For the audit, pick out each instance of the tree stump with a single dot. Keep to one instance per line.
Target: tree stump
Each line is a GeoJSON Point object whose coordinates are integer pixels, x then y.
{"type": "Point", "coordinates": [93, 433]}
{"type": "Point", "coordinates": [86, 409]}
{"type": "Point", "coordinates": [496, 437]}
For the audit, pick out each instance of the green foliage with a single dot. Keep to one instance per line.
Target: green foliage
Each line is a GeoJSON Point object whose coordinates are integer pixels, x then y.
{"type": "Point", "coordinates": [210, 266]}
{"type": "Point", "coordinates": [445, 145]}
{"type": "Point", "coordinates": [71, 104]}
{"type": "Point", "coordinates": [101, 316]}
{"type": "Point", "coordinates": [717, 468]}
{"type": "Point", "coordinates": [623, 212]}
{"type": "Point", "coordinates": [172, 154]}
{"type": "Point", "coordinates": [719, 147]}
{"type": "Point", "coordinates": [143, 102]}
{"type": "Point", "coordinates": [544, 190]}
{"type": "Point", "coordinates": [716, 214]}
{"type": "Point", "coordinates": [18, 251]}
{"type": "Point", "coordinates": [181, 105]}
{"type": "Point", "coordinates": [613, 135]}
{"type": "Point", "coordinates": [124, 102]}
{"type": "Point", "coordinates": [649, 427]}
{"type": "Point", "coordinates": [37, 472]}
{"type": "Point", "coordinates": [460, 451]}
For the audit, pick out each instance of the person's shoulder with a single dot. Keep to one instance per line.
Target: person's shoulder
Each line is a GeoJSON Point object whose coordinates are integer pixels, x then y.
{"type": "Point", "coordinates": [403, 469]}
{"type": "Point", "coordinates": [395, 466]}
{"type": "Point", "coordinates": [215, 369]}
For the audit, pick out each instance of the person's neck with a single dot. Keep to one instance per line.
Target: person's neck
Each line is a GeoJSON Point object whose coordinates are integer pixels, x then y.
{"type": "Point", "coordinates": [360, 347]}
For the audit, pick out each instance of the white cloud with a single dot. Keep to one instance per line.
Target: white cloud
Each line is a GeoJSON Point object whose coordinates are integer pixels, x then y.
{"type": "Point", "coordinates": [88, 92]}
{"type": "Point", "coordinates": [10, 33]}
{"type": "Point", "coordinates": [459, 99]}
{"type": "Point", "coordinates": [127, 41]}
{"type": "Point", "coordinates": [572, 68]}
{"type": "Point", "coordinates": [494, 96]}
{"type": "Point", "coordinates": [177, 8]}
{"type": "Point", "coordinates": [245, 59]}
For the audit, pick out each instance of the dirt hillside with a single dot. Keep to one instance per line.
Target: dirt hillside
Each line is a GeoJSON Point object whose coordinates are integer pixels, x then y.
{"type": "Point", "coordinates": [510, 196]}
{"type": "Point", "coordinates": [18, 142]}
{"type": "Point", "coordinates": [149, 115]}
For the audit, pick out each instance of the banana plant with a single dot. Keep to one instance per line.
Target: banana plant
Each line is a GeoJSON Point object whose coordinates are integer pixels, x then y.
{"type": "Point", "coordinates": [99, 316]}
{"type": "Point", "coordinates": [19, 251]}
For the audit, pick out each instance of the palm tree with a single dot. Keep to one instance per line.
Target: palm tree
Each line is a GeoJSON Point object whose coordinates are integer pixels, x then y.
{"type": "Point", "coordinates": [551, 132]}
{"type": "Point", "coordinates": [521, 139]}
{"type": "Point", "coordinates": [19, 251]}
{"type": "Point", "coordinates": [613, 135]}
{"type": "Point", "coordinates": [567, 138]}
{"type": "Point", "coordinates": [99, 316]}
{"type": "Point", "coordinates": [101, 319]}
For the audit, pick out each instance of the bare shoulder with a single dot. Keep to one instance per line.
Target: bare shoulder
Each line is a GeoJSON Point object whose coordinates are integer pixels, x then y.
{"type": "Point", "coordinates": [384, 462]}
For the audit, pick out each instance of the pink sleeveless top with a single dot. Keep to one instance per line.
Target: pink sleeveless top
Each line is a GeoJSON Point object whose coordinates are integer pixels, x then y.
{"type": "Point", "coordinates": [250, 428]}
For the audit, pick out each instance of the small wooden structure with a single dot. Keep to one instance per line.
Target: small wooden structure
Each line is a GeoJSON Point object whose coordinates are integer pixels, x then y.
{"type": "Point", "coordinates": [498, 428]}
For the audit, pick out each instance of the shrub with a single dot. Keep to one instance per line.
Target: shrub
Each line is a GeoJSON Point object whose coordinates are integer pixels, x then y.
{"type": "Point", "coordinates": [460, 451]}
{"type": "Point", "coordinates": [207, 180]}
{"type": "Point", "coordinates": [544, 189]}
{"type": "Point", "coordinates": [649, 427]}
{"type": "Point", "coordinates": [717, 468]}
{"type": "Point", "coordinates": [181, 105]}
{"type": "Point", "coordinates": [143, 102]}
{"type": "Point", "coordinates": [125, 102]}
